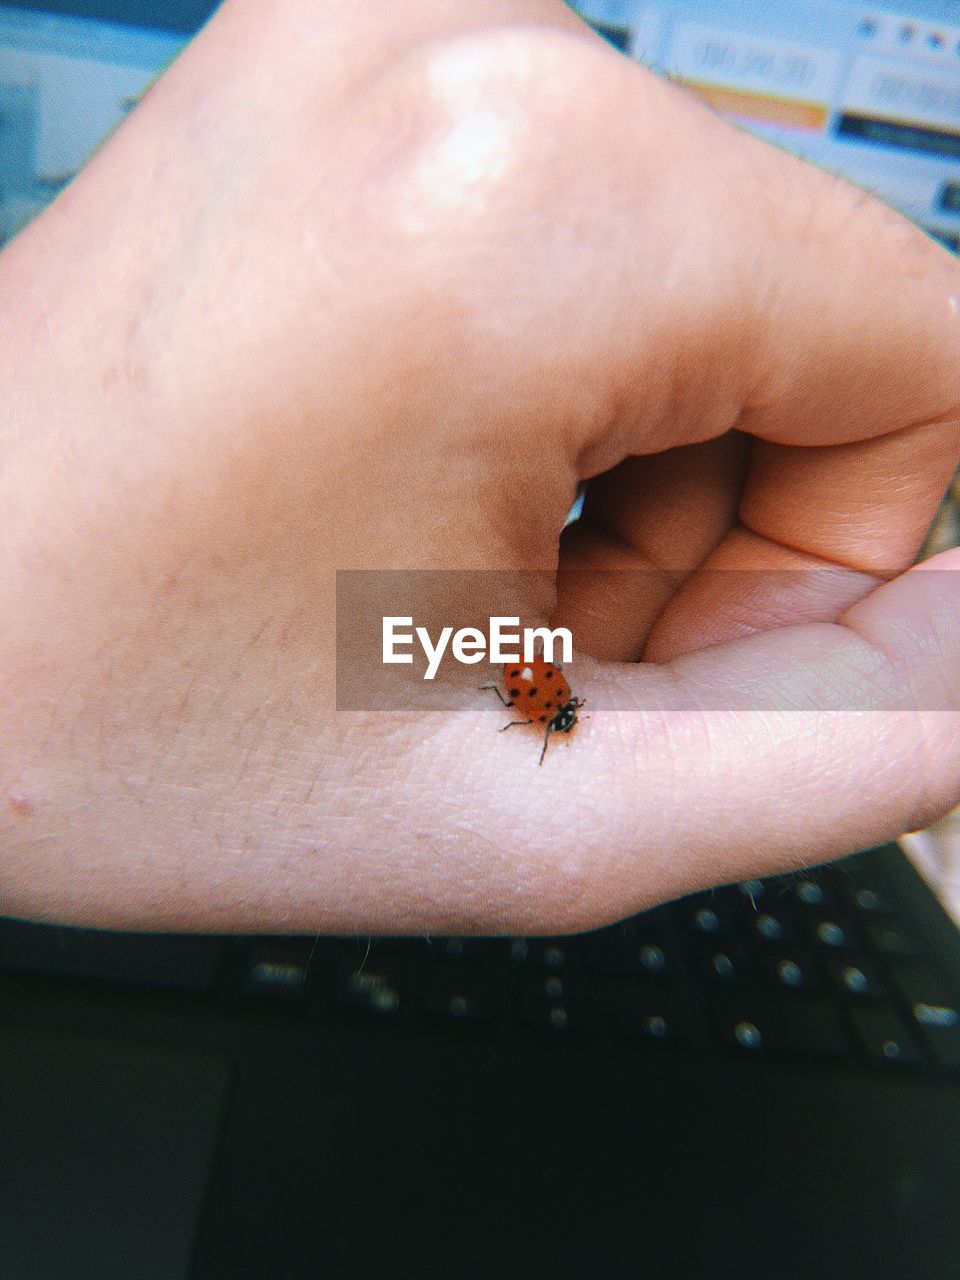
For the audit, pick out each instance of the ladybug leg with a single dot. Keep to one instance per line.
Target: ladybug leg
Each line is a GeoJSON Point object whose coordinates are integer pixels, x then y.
{"type": "Point", "coordinates": [514, 723]}
{"type": "Point", "coordinates": [546, 739]}
{"type": "Point", "coordinates": [497, 692]}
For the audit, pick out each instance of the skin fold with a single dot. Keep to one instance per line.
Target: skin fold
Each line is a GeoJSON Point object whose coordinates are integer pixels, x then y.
{"type": "Point", "coordinates": [377, 287]}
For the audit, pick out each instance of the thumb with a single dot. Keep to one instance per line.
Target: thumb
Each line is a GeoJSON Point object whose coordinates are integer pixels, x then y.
{"type": "Point", "coordinates": [756, 756]}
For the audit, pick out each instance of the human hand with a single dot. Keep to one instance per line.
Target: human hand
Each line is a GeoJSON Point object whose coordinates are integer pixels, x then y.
{"type": "Point", "coordinates": [376, 288]}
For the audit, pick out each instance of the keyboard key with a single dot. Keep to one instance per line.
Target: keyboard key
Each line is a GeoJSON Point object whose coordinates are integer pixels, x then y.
{"type": "Point", "coordinates": [935, 1015]}
{"type": "Point", "coordinates": [627, 951]}
{"type": "Point", "coordinates": [792, 973]}
{"type": "Point", "coordinates": [808, 1028]}
{"type": "Point", "coordinates": [703, 916]}
{"type": "Point", "coordinates": [752, 891]}
{"type": "Point", "coordinates": [553, 957]}
{"type": "Point", "coordinates": [657, 1019]}
{"type": "Point", "coordinates": [464, 998]}
{"type": "Point", "coordinates": [540, 953]}
{"type": "Point", "coordinates": [721, 968]}
{"type": "Point", "coordinates": [653, 959]}
{"type": "Point", "coordinates": [458, 951]}
{"type": "Point", "coordinates": [852, 976]}
{"type": "Point", "coordinates": [552, 988]}
{"type": "Point", "coordinates": [747, 1035]}
{"type": "Point", "coordinates": [767, 926]}
{"type": "Point", "coordinates": [278, 970]}
{"type": "Point", "coordinates": [560, 1019]}
{"type": "Point", "coordinates": [870, 900]}
{"type": "Point", "coordinates": [884, 1036]}
{"type": "Point", "coordinates": [891, 940]}
{"type": "Point", "coordinates": [367, 989]}
{"type": "Point", "coordinates": [831, 934]}
{"type": "Point", "coordinates": [705, 920]}
{"type": "Point", "coordinates": [810, 893]}
{"type": "Point", "coordinates": [919, 983]}
{"type": "Point", "coordinates": [933, 1009]}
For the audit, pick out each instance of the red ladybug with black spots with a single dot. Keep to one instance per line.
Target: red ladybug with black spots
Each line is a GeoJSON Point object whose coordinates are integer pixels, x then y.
{"type": "Point", "coordinates": [539, 691]}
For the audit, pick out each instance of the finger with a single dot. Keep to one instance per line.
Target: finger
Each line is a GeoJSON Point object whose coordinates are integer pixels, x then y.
{"type": "Point", "coordinates": [820, 317]}
{"type": "Point", "coordinates": [646, 526]}
{"type": "Point", "coordinates": [834, 521]}
{"type": "Point", "coordinates": [765, 754]}
{"type": "Point", "coordinates": [748, 585]}
{"type": "Point", "coordinates": [818, 528]}
{"type": "Point", "coordinates": [866, 505]}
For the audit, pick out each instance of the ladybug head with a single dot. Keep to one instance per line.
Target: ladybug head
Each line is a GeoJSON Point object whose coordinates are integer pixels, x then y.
{"type": "Point", "coordinates": [566, 717]}
{"type": "Point", "coordinates": [562, 722]}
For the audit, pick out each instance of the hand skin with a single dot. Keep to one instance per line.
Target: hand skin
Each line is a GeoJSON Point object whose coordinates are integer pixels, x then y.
{"type": "Point", "coordinates": [366, 286]}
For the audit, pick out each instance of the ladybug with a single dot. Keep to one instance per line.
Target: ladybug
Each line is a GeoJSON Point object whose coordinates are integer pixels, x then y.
{"type": "Point", "coordinates": [538, 690]}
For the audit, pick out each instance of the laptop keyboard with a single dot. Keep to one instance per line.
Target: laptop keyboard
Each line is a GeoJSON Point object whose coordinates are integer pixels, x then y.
{"type": "Point", "coordinates": [812, 967]}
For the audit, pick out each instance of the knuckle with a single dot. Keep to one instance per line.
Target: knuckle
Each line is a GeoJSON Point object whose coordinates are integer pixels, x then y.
{"type": "Point", "coordinates": [477, 122]}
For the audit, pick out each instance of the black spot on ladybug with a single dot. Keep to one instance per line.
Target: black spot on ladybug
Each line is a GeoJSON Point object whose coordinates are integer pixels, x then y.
{"type": "Point", "coordinates": [514, 693]}
{"type": "Point", "coordinates": [532, 693]}
{"type": "Point", "coordinates": [543, 719]}
{"type": "Point", "coordinates": [548, 705]}
{"type": "Point", "coordinates": [548, 675]}
{"type": "Point", "coordinates": [514, 674]}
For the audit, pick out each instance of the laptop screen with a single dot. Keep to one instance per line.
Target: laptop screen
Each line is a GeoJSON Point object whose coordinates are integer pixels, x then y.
{"type": "Point", "coordinates": [870, 91]}
{"type": "Point", "coordinates": [65, 83]}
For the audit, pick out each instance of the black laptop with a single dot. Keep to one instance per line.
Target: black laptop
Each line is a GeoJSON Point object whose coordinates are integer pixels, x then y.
{"type": "Point", "coordinates": [759, 1082]}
